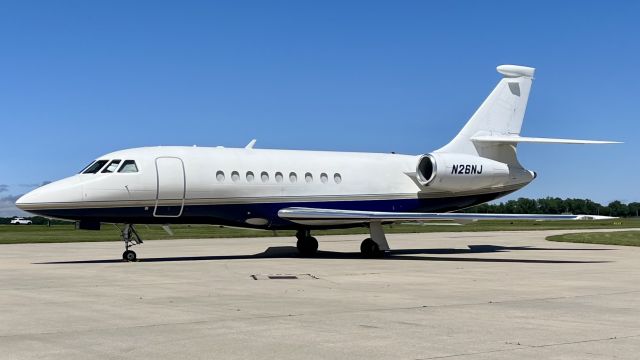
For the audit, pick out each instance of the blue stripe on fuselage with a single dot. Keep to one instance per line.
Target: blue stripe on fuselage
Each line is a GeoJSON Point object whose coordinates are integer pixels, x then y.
{"type": "Point", "coordinates": [236, 214]}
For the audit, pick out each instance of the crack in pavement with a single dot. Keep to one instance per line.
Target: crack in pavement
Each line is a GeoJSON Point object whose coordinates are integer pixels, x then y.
{"type": "Point", "coordinates": [324, 314]}
{"type": "Point", "coordinates": [526, 347]}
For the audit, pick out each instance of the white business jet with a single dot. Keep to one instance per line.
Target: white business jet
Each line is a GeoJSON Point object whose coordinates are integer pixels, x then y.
{"type": "Point", "coordinates": [306, 190]}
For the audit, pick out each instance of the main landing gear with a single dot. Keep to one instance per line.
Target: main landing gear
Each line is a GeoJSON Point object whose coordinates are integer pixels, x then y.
{"type": "Point", "coordinates": [307, 244]}
{"type": "Point", "coordinates": [130, 238]}
{"type": "Point", "coordinates": [375, 246]}
{"type": "Point", "coordinates": [369, 249]}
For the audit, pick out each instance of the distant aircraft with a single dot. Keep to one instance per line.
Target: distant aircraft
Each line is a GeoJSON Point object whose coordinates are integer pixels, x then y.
{"type": "Point", "coordinates": [306, 190]}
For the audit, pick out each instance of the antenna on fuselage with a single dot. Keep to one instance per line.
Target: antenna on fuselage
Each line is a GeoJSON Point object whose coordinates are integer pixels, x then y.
{"type": "Point", "coordinates": [250, 144]}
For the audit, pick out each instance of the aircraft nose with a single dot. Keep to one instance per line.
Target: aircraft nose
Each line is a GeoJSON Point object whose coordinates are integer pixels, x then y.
{"type": "Point", "coordinates": [31, 202]}
{"type": "Point", "coordinates": [50, 195]}
{"type": "Point", "coordinates": [35, 199]}
{"type": "Point", "coordinates": [22, 200]}
{"type": "Point", "coordinates": [31, 199]}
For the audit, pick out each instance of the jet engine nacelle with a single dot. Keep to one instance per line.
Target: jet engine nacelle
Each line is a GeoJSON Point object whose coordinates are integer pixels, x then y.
{"type": "Point", "coordinates": [456, 172]}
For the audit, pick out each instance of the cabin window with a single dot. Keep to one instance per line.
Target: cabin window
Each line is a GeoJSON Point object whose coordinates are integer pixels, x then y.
{"type": "Point", "coordinates": [279, 177]}
{"type": "Point", "coordinates": [293, 177]}
{"type": "Point", "coordinates": [324, 178]}
{"type": "Point", "coordinates": [128, 166]}
{"type": "Point", "coordinates": [235, 176]}
{"type": "Point", "coordinates": [250, 176]}
{"type": "Point", "coordinates": [337, 178]}
{"type": "Point", "coordinates": [113, 166]}
{"type": "Point", "coordinates": [95, 167]}
{"type": "Point", "coordinates": [220, 176]}
{"type": "Point", "coordinates": [308, 177]}
{"type": "Point", "coordinates": [264, 176]}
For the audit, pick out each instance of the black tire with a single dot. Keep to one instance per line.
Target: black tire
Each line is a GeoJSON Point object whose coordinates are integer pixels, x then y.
{"type": "Point", "coordinates": [129, 256]}
{"type": "Point", "coordinates": [369, 249]}
{"type": "Point", "coordinates": [307, 246]}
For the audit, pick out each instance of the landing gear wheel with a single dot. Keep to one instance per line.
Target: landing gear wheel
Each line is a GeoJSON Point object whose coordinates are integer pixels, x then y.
{"type": "Point", "coordinates": [307, 246]}
{"type": "Point", "coordinates": [129, 255]}
{"type": "Point", "coordinates": [130, 238]}
{"type": "Point", "coordinates": [369, 249]}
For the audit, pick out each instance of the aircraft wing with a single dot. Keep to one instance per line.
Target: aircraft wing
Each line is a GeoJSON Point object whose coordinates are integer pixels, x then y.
{"type": "Point", "coordinates": [314, 216]}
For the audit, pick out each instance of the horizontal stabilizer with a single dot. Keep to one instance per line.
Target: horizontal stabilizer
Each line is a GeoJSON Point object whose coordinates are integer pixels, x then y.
{"type": "Point", "coordinates": [511, 139]}
{"type": "Point", "coordinates": [312, 216]}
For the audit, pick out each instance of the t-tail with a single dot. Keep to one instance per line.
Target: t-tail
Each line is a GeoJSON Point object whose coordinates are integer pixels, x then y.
{"type": "Point", "coordinates": [493, 131]}
{"type": "Point", "coordinates": [483, 156]}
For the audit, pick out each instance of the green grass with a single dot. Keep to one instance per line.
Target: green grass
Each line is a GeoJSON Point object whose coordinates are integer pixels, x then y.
{"type": "Point", "coordinates": [15, 234]}
{"type": "Point", "coordinates": [626, 238]}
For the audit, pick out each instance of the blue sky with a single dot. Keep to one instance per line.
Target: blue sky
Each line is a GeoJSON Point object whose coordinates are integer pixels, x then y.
{"type": "Point", "coordinates": [82, 78]}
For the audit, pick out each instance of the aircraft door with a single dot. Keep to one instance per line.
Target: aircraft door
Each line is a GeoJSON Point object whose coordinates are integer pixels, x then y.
{"type": "Point", "coordinates": [171, 187]}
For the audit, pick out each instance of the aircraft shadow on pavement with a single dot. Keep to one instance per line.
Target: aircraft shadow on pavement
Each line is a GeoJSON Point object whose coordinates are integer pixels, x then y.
{"type": "Point", "coordinates": [283, 252]}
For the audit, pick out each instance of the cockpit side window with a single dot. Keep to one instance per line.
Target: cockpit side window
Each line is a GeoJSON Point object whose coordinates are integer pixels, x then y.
{"type": "Point", "coordinates": [95, 167]}
{"type": "Point", "coordinates": [128, 166]}
{"type": "Point", "coordinates": [113, 165]}
{"type": "Point", "coordinates": [86, 167]}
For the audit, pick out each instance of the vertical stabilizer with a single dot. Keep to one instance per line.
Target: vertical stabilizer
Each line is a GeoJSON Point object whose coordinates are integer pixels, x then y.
{"type": "Point", "coordinates": [501, 114]}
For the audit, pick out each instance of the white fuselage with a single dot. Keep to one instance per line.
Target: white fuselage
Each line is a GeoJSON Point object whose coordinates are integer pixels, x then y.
{"type": "Point", "coordinates": [246, 187]}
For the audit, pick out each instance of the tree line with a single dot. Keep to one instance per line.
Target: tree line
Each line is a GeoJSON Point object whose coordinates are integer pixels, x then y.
{"type": "Point", "coordinates": [555, 205]}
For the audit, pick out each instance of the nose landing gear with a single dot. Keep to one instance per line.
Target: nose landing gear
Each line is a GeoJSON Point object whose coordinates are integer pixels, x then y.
{"type": "Point", "coordinates": [129, 255]}
{"type": "Point", "coordinates": [130, 238]}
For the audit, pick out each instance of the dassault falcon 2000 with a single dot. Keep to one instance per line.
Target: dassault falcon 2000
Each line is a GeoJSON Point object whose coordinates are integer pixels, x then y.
{"type": "Point", "coordinates": [306, 190]}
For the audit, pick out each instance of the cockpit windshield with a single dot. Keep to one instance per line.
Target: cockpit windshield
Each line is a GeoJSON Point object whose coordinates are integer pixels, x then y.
{"type": "Point", "coordinates": [113, 165]}
{"type": "Point", "coordinates": [126, 166]}
{"type": "Point", "coordinates": [95, 167]}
